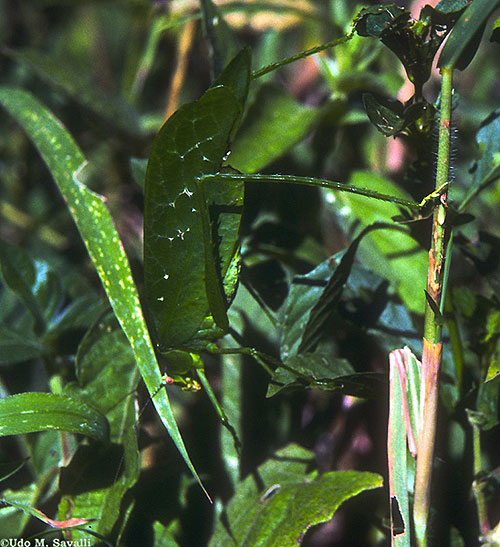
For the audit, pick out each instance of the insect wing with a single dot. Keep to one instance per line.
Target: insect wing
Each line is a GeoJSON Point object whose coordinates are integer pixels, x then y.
{"type": "Point", "coordinates": [190, 144]}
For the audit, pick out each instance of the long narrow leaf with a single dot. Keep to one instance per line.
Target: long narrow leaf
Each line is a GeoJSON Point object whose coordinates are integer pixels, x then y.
{"type": "Point", "coordinates": [29, 412]}
{"type": "Point", "coordinates": [397, 454]}
{"type": "Point", "coordinates": [65, 162]}
{"type": "Point", "coordinates": [463, 41]}
{"type": "Point", "coordinates": [61, 524]}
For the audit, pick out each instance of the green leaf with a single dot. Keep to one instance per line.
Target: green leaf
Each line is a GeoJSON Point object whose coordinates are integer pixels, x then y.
{"type": "Point", "coordinates": [65, 161]}
{"type": "Point", "coordinates": [231, 402]}
{"type": "Point", "coordinates": [18, 345]}
{"type": "Point", "coordinates": [488, 404]}
{"type": "Point", "coordinates": [290, 502]}
{"type": "Point", "coordinates": [373, 21]}
{"type": "Point", "coordinates": [178, 255]}
{"type": "Point", "coordinates": [414, 42]}
{"type": "Point", "coordinates": [80, 313]}
{"type": "Point", "coordinates": [223, 42]}
{"type": "Point", "coordinates": [313, 298]}
{"type": "Point", "coordinates": [272, 113]}
{"type": "Point", "coordinates": [464, 39]}
{"type": "Point", "coordinates": [393, 254]}
{"type": "Point", "coordinates": [324, 309]}
{"type": "Point", "coordinates": [29, 412]}
{"type": "Point", "coordinates": [495, 33]}
{"type": "Point", "coordinates": [9, 469]}
{"type": "Point", "coordinates": [384, 115]}
{"type": "Point", "coordinates": [396, 456]}
{"type": "Point", "coordinates": [33, 281]}
{"type": "Point", "coordinates": [107, 379]}
{"type": "Point", "coordinates": [304, 294]}
{"type": "Point", "coordinates": [451, 6]}
{"type": "Point", "coordinates": [163, 537]}
{"type": "Point", "coordinates": [60, 73]}
{"type": "Point", "coordinates": [46, 451]}
{"type": "Point", "coordinates": [487, 168]}
{"type": "Point", "coordinates": [493, 371]}
{"type": "Point", "coordinates": [12, 520]}
{"type": "Point", "coordinates": [29, 510]}
{"type": "Point", "coordinates": [138, 166]}
{"type": "Point", "coordinates": [236, 76]}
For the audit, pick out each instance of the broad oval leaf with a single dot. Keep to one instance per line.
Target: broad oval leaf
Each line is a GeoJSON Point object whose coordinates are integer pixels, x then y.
{"type": "Point", "coordinates": [384, 115]}
{"type": "Point", "coordinates": [29, 412]}
{"type": "Point", "coordinates": [291, 502]}
{"type": "Point", "coordinates": [183, 269]}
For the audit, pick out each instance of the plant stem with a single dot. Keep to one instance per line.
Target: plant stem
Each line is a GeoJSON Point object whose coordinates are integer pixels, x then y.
{"type": "Point", "coordinates": [477, 486]}
{"type": "Point", "coordinates": [431, 358]}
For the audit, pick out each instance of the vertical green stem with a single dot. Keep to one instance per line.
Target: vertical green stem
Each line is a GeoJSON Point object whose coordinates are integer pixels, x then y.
{"type": "Point", "coordinates": [432, 330]}
{"type": "Point", "coordinates": [431, 358]}
{"type": "Point", "coordinates": [477, 487]}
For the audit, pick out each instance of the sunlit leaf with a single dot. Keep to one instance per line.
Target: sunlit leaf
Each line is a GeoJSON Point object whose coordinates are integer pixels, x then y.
{"type": "Point", "coordinates": [29, 412]}
{"type": "Point", "coordinates": [289, 501]}
{"type": "Point", "coordinates": [13, 520]}
{"type": "Point", "coordinates": [163, 537]}
{"type": "Point", "coordinates": [392, 254]}
{"type": "Point", "coordinates": [272, 113]}
{"type": "Point", "coordinates": [65, 161]}
{"type": "Point", "coordinates": [493, 371]}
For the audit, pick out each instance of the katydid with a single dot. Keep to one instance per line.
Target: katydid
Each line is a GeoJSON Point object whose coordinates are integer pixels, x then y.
{"type": "Point", "coordinates": [193, 207]}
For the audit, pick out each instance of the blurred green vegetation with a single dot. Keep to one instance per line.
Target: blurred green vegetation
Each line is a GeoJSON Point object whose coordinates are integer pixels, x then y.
{"type": "Point", "coordinates": [112, 72]}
